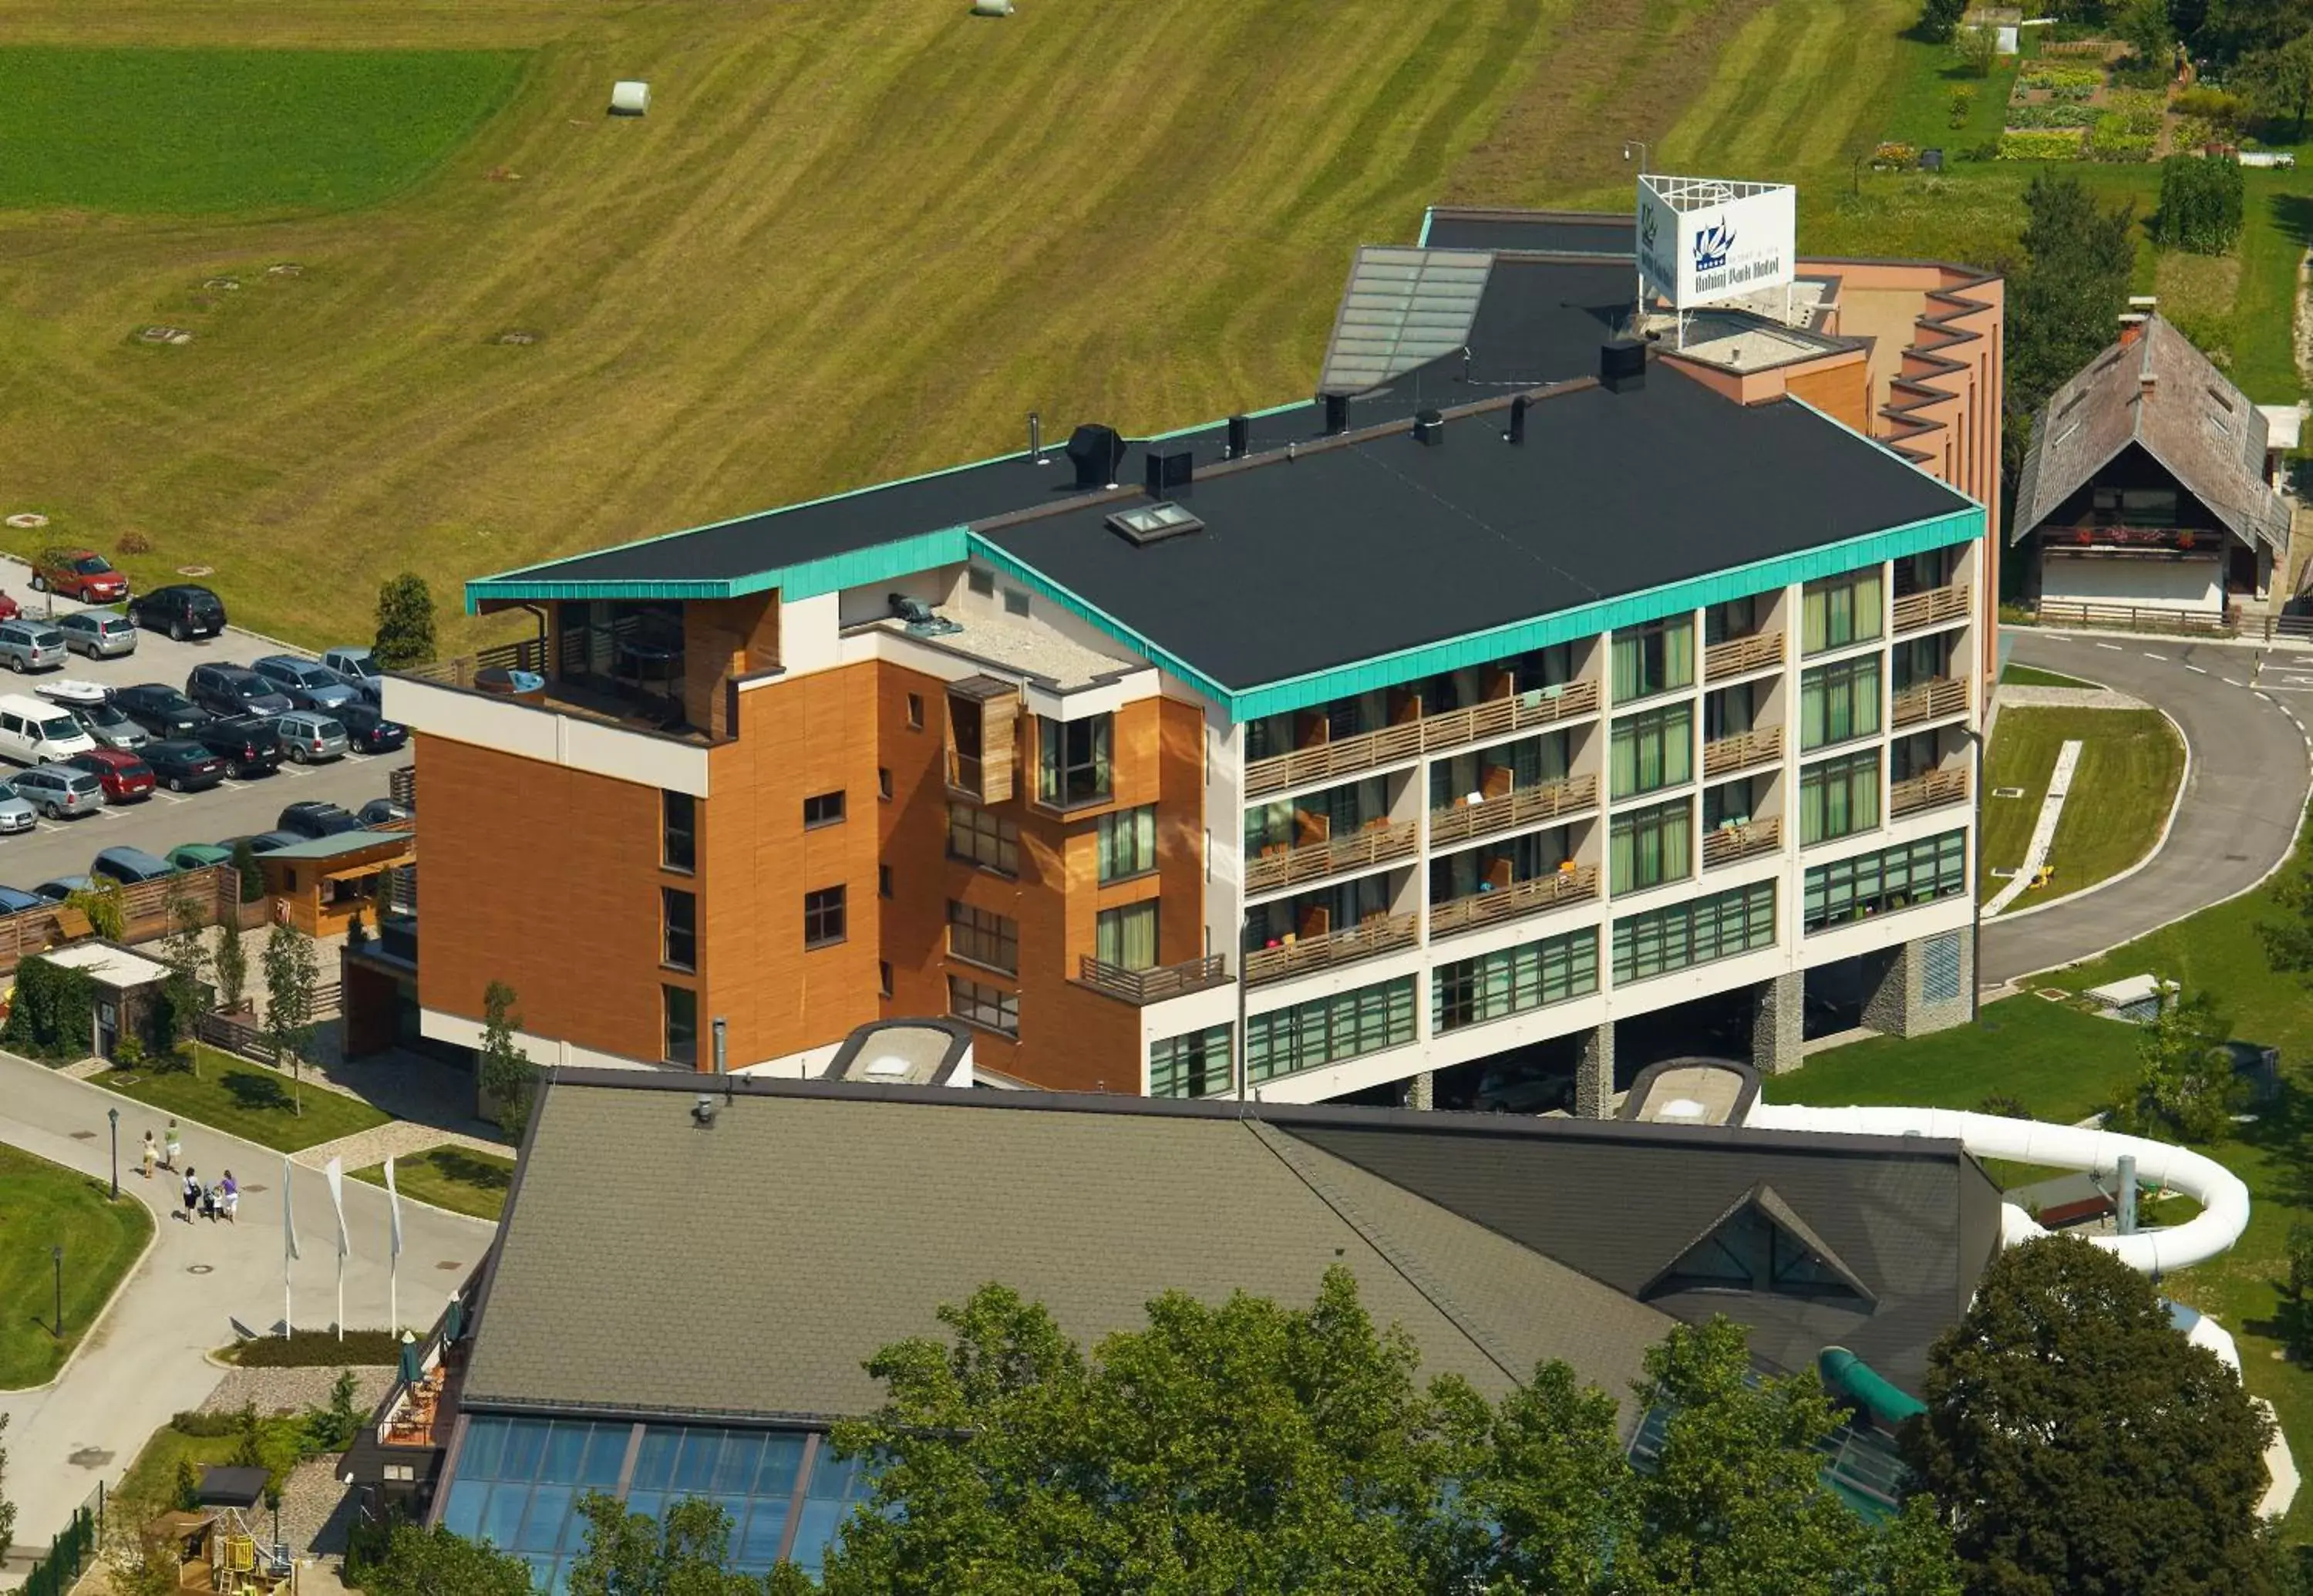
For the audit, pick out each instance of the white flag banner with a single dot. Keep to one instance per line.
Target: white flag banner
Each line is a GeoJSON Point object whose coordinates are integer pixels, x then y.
{"type": "Point", "coordinates": [335, 1172]}
{"type": "Point", "coordinates": [288, 1218]}
{"type": "Point", "coordinates": [393, 1209]}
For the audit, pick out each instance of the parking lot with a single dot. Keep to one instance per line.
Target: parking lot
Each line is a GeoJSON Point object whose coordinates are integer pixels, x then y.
{"type": "Point", "coordinates": [166, 819]}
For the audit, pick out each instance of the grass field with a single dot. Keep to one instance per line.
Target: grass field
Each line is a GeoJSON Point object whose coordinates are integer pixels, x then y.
{"type": "Point", "coordinates": [43, 1205]}
{"type": "Point", "coordinates": [2025, 676]}
{"type": "Point", "coordinates": [2121, 791]}
{"type": "Point", "coordinates": [452, 1177]}
{"type": "Point", "coordinates": [250, 1101]}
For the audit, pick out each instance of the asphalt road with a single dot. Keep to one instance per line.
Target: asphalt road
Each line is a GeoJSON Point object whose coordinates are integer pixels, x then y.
{"type": "Point", "coordinates": [165, 820]}
{"type": "Point", "coordinates": [2243, 796]}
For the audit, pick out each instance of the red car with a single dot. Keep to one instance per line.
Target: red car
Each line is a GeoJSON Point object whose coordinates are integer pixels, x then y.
{"type": "Point", "coordinates": [125, 778]}
{"type": "Point", "coordinates": [9, 608]}
{"type": "Point", "coordinates": [79, 573]}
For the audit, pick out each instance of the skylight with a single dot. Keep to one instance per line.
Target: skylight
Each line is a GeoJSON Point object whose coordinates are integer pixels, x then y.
{"type": "Point", "coordinates": [1154, 523]}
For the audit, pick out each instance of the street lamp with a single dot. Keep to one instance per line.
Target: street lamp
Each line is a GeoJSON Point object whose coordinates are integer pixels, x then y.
{"type": "Point", "coordinates": [114, 1115]}
{"type": "Point", "coordinates": [1639, 305]}
{"type": "Point", "coordinates": [57, 1253]}
{"type": "Point", "coordinates": [1976, 931]}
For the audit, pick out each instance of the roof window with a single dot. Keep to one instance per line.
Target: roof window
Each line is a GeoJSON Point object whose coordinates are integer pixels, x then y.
{"type": "Point", "coordinates": [1154, 523]}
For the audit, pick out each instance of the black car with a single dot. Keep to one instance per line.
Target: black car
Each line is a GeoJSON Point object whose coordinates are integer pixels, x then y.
{"type": "Point", "coordinates": [182, 610]}
{"type": "Point", "coordinates": [246, 743]}
{"type": "Point", "coordinates": [314, 818]}
{"type": "Point", "coordinates": [368, 730]}
{"type": "Point", "coordinates": [262, 842]}
{"type": "Point", "coordinates": [382, 812]}
{"type": "Point", "coordinates": [235, 690]}
{"type": "Point", "coordinates": [161, 710]}
{"type": "Point", "coordinates": [183, 765]}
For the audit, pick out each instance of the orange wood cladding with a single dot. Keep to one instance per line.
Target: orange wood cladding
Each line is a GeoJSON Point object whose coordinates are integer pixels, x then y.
{"type": "Point", "coordinates": [1842, 392]}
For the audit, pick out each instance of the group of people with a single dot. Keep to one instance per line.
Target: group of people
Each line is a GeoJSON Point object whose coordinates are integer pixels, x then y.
{"type": "Point", "coordinates": [212, 1202]}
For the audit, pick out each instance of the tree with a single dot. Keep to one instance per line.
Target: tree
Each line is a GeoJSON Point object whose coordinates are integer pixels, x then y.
{"type": "Point", "coordinates": [1976, 50]}
{"type": "Point", "coordinates": [2234, 29]}
{"type": "Point", "coordinates": [2150, 33]}
{"type": "Point", "coordinates": [230, 963]}
{"type": "Point", "coordinates": [635, 1554]}
{"type": "Point", "coordinates": [292, 977]}
{"type": "Point", "coordinates": [2200, 203]}
{"type": "Point", "coordinates": [2075, 1442]}
{"type": "Point", "coordinates": [505, 1070]}
{"type": "Point", "coordinates": [252, 874]}
{"type": "Point", "coordinates": [104, 905]}
{"type": "Point", "coordinates": [1938, 19]}
{"type": "Point", "coordinates": [405, 623]}
{"type": "Point", "coordinates": [7, 1508]}
{"type": "Point", "coordinates": [2063, 301]}
{"type": "Point", "coordinates": [2279, 81]}
{"type": "Point", "coordinates": [186, 954]}
{"type": "Point", "coordinates": [436, 1563]}
{"type": "Point", "coordinates": [2184, 1082]}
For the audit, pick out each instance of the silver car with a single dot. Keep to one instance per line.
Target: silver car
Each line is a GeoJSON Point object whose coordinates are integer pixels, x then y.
{"type": "Point", "coordinates": [308, 736]}
{"type": "Point", "coordinates": [110, 728]}
{"type": "Point", "coordinates": [304, 684]}
{"type": "Point", "coordinates": [16, 813]}
{"type": "Point", "coordinates": [57, 791]}
{"type": "Point", "coordinates": [98, 633]}
{"type": "Point", "coordinates": [31, 646]}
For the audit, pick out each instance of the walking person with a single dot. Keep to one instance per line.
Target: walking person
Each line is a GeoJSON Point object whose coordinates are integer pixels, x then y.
{"type": "Point", "coordinates": [151, 1155]}
{"type": "Point", "coordinates": [192, 1196]}
{"type": "Point", "coordinates": [175, 1148]}
{"type": "Point", "coordinates": [228, 1198]}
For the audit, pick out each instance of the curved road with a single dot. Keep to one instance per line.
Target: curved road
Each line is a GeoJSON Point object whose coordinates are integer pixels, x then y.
{"type": "Point", "coordinates": [2247, 790]}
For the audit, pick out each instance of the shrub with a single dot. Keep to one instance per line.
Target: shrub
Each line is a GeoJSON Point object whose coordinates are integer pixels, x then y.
{"type": "Point", "coordinates": [53, 1011]}
{"type": "Point", "coordinates": [2300, 1258]}
{"type": "Point", "coordinates": [207, 1425]}
{"type": "Point", "coordinates": [1976, 50]}
{"type": "Point", "coordinates": [1988, 150]}
{"type": "Point", "coordinates": [2215, 107]}
{"type": "Point", "coordinates": [1939, 18]}
{"type": "Point", "coordinates": [1894, 157]}
{"type": "Point", "coordinates": [2054, 143]}
{"type": "Point", "coordinates": [405, 623]}
{"type": "Point", "coordinates": [134, 542]}
{"type": "Point", "coordinates": [2005, 1105]}
{"type": "Point", "coordinates": [188, 1485]}
{"type": "Point", "coordinates": [2200, 203]}
{"type": "Point", "coordinates": [1962, 104]}
{"type": "Point", "coordinates": [317, 1349]}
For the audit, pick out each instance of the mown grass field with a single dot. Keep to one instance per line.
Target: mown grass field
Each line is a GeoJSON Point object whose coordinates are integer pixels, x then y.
{"type": "Point", "coordinates": [246, 1100]}
{"type": "Point", "coordinates": [2130, 760]}
{"type": "Point", "coordinates": [44, 1205]}
{"type": "Point", "coordinates": [454, 1178]}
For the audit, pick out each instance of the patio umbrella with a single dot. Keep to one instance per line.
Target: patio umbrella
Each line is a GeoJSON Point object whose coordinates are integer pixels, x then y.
{"type": "Point", "coordinates": [453, 1318]}
{"type": "Point", "coordinates": [410, 1372]}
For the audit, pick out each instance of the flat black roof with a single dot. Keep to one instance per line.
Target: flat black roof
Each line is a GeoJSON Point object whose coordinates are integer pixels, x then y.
{"type": "Point", "coordinates": [1368, 548]}
{"type": "Point", "coordinates": [1556, 232]}
{"type": "Point", "coordinates": [1542, 321]}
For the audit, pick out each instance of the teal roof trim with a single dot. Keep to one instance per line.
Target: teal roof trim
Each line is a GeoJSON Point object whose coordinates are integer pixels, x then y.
{"type": "Point", "coordinates": [806, 580]}
{"type": "Point", "coordinates": [1100, 619]}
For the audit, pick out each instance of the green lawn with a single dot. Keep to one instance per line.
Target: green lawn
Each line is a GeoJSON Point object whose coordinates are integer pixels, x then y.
{"type": "Point", "coordinates": [42, 1206]}
{"type": "Point", "coordinates": [247, 1100]}
{"type": "Point", "coordinates": [149, 1488]}
{"type": "Point", "coordinates": [2122, 790]}
{"type": "Point", "coordinates": [2025, 676]}
{"type": "Point", "coordinates": [452, 1177]}
{"type": "Point", "coordinates": [2062, 1064]}
{"type": "Point", "coordinates": [202, 131]}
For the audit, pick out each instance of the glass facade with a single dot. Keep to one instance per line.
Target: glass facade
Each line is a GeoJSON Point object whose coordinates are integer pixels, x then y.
{"type": "Point", "coordinates": [1839, 797]}
{"type": "Point", "coordinates": [1696, 932]}
{"type": "Point", "coordinates": [1326, 1030]}
{"type": "Point", "coordinates": [1512, 980]}
{"type": "Point", "coordinates": [1839, 701]}
{"type": "Point", "coordinates": [1658, 657]}
{"type": "Point", "coordinates": [1648, 847]}
{"type": "Point", "coordinates": [1652, 751]}
{"type": "Point", "coordinates": [1196, 1065]}
{"type": "Point", "coordinates": [1899, 878]}
{"type": "Point", "coordinates": [1840, 611]}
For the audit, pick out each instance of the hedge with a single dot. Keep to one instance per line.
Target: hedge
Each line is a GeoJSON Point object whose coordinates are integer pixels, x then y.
{"type": "Point", "coordinates": [53, 1011]}
{"type": "Point", "coordinates": [316, 1349]}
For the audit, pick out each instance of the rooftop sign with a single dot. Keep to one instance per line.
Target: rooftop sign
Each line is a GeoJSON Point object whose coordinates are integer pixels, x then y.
{"type": "Point", "coordinates": [1705, 240]}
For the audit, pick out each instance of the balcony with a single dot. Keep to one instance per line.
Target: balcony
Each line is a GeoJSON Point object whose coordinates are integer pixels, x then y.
{"type": "Point", "coordinates": [1377, 843]}
{"type": "Point", "coordinates": [516, 675]}
{"type": "Point", "coordinates": [1931, 790]}
{"type": "Point", "coordinates": [1729, 845]}
{"type": "Point", "coordinates": [1139, 987]}
{"type": "Point", "coordinates": [1518, 899]}
{"type": "Point", "coordinates": [1931, 700]}
{"type": "Point", "coordinates": [1383, 933]}
{"type": "Point", "coordinates": [1736, 656]}
{"type": "Point", "coordinates": [1933, 606]}
{"type": "Point", "coordinates": [1536, 706]}
{"type": "Point", "coordinates": [1462, 822]}
{"type": "Point", "coordinates": [1723, 756]}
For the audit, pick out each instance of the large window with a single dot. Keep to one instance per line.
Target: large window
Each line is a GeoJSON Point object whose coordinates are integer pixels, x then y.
{"type": "Point", "coordinates": [679, 920]}
{"type": "Point", "coordinates": [1315, 816]}
{"type": "Point", "coordinates": [1126, 937]}
{"type": "Point", "coordinates": [987, 1006]}
{"type": "Point", "coordinates": [1512, 980]}
{"type": "Point", "coordinates": [1696, 932]}
{"type": "Point", "coordinates": [1838, 797]}
{"type": "Point", "coordinates": [1072, 760]}
{"type": "Point", "coordinates": [1648, 847]}
{"type": "Point", "coordinates": [678, 823]}
{"type": "Point", "coordinates": [825, 809]}
{"type": "Point", "coordinates": [680, 1005]}
{"type": "Point", "coordinates": [984, 838]}
{"type": "Point", "coordinates": [1127, 843]}
{"type": "Point", "coordinates": [1841, 610]}
{"type": "Point", "coordinates": [1653, 750]}
{"type": "Point", "coordinates": [1326, 1030]}
{"type": "Point", "coordinates": [518, 1482]}
{"type": "Point", "coordinates": [984, 939]}
{"type": "Point", "coordinates": [1196, 1065]}
{"type": "Point", "coordinates": [1900, 878]}
{"type": "Point", "coordinates": [822, 917]}
{"type": "Point", "coordinates": [1651, 660]}
{"type": "Point", "coordinates": [1839, 701]}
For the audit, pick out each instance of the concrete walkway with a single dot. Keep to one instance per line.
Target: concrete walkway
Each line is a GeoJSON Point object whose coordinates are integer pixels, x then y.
{"type": "Point", "coordinates": [198, 1287]}
{"type": "Point", "coordinates": [2043, 829]}
{"type": "Point", "coordinates": [2066, 698]}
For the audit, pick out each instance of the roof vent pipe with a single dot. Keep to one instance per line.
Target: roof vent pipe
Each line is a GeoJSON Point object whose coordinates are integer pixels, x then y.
{"type": "Point", "coordinates": [1622, 365]}
{"type": "Point", "coordinates": [1516, 434]}
{"type": "Point", "coordinates": [1428, 428]}
{"type": "Point", "coordinates": [1337, 413]}
{"type": "Point", "coordinates": [1240, 437]}
{"type": "Point", "coordinates": [1036, 439]}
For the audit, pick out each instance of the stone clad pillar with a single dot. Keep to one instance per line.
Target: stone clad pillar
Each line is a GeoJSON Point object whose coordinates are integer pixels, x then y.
{"type": "Point", "coordinates": [1593, 1075]}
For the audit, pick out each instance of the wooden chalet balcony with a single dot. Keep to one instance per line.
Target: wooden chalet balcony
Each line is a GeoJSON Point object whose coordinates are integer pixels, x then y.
{"type": "Point", "coordinates": [1738, 655]}
{"type": "Point", "coordinates": [1151, 986]}
{"type": "Point", "coordinates": [1382, 934]}
{"type": "Point", "coordinates": [1929, 791]}
{"type": "Point", "coordinates": [1312, 861]}
{"type": "Point", "coordinates": [1461, 822]}
{"type": "Point", "coordinates": [1509, 902]}
{"type": "Point", "coordinates": [1932, 606]}
{"type": "Point", "coordinates": [1347, 757]}
{"type": "Point", "coordinates": [1931, 700]}
{"type": "Point", "coordinates": [1730, 843]}
{"type": "Point", "coordinates": [1723, 756]}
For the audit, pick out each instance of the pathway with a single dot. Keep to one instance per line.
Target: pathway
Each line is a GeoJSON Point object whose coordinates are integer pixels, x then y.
{"type": "Point", "coordinates": [2043, 829]}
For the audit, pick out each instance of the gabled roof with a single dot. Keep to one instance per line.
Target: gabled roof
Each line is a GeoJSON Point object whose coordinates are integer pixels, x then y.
{"type": "Point", "coordinates": [2158, 393]}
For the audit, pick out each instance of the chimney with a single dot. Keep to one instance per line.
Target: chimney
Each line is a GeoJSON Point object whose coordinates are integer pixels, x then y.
{"type": "Point", "coordinates": [1428, 428]}
{"type": "Point", "coordinates": [1337, 413]}
{"type": "Point", "coordinates": [1036, 439]}
{"type": "Point", "coordinates": [1240, 437]}
{"type": "Point", "coordinates": [2132, 329]}
{"type": "Point", "coordinates": [1622, 365]}
{"type": "Point", "coordinates": [1516, 434]}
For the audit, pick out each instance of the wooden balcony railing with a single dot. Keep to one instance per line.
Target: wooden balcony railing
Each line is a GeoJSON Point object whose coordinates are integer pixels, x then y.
{"type": "Point", "coordinates": [1350, 756]}
{"type": "Point", "coordinates": [1382, 934]}
{"type": "Point", "coordinates": [1312, 861]}
{"type": "Point", "coordinates": [1931, 699]}
{"type": "Point", "coordinates": [527, 654]}
{"type": "Point", "coordinates": [1929, 791]}
{"type": "Point", "coordinates": [1738, 655]}
{"type": "Point", "coordinates": [1932, 606]}
{"type": "Point", "coordinates": [1729, 843]}
{"type": "Point", "coordinates": [1508, 902]}
{"type": "Point", "coordinates": [1522, 807]}
{"type": "Point", "coordinates": [1151, 986]}
{"type": "Point", "coordinates": [1723, 756]}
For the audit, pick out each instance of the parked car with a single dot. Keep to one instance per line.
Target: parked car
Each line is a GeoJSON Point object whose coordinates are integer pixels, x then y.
{"type": "Point", "coordinates": [357, 669]}
{"type": "Point", "coordinates": [262, 842]}
{"type": "Point", "coordinates": [246, 743]}
{"type": "Point", "coordinates": [130, 865]}
{"type": "Point", "coordinates": [382, 811]}
{"type": "Point", "coordinates": [55, 892]}
{"type": "Point", "coordinates": [98, 633]}
{"type": "Point", "coordinates": [9, 610]}
{"type": "Point", "coordinates": [110, 728]}
{"type": "Point", "coordinates": [181, 610]}
{"type": "Point", "coordinates": [314, 818]}
{"type": "Point", "coordinates": [35, 732]}
{"type": "Point", "coordinates": [125, 778]}
{"type": "Point", "coordinates": [183, 765]}
{"type": "Point", "coordinates": [303, 682]}
{"type": "Point", "coordinates": [368, 730]}
{"type": "Point", "coordinates": [235, 690]}
{"type": "Point", "coordinates": [310, 737]}
{"type": "Point", "coordinates": [1524, 1088]}
{"type": "Point", "coordinates": [198, 856]}
{"type": "Point", "coordinates": [15, 900]}
{"type": "Point", "coordinates": [31, 646]}
{"type": "Point", "coordinates": [16, 815]}
{"type": "Point", "coordinates": [161, 710]}
{"type": "Point", "coordinates": [79, 573]}
{"type": "Point", "coordinates": [58, 792]}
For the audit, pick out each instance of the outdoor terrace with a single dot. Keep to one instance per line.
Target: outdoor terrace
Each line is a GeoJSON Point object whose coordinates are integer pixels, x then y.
{"type": "Point", "coordinates": [1535, 706]}
{"type": "Point", "coordinates": [1378, 842]}
{"type": "Point", "coordinates": [1292, 955]}
{"type": "Point", "coordinates": [1931, 699]}
{"type": "Point", "coordinates": [1929, 791]}
{"type": "Point", "coordinates": [1932, 606]}
{"type": "Point", "coordinates": [1459, 822]}
{"type": "Point", "coordinates": [1532, 897]}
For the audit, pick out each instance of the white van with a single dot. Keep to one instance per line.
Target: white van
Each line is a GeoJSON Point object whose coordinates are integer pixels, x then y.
{"type": "Point", "coordinates": [33, 731]}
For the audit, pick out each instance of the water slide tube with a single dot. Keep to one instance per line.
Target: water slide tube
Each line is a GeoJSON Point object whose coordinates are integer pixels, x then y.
{"type": "Point", "coordinates": [2222, 1198]}
{"type": "Point", "coordinates": [1846, 1375]}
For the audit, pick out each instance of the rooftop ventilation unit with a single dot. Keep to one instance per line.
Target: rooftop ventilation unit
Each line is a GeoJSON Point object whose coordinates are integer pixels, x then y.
{"type": "Point", "coordinates": [1429, 428]}
{"type": "Point", "coordinates": [1096, 452]}
{"type": "Point", "coordinates": [920, 617]}
{"type": "Point", "coordinates": [1169, 470]}
{"type": "Point", "coordinates": [1148, 524]}
{"type": "Point", "coordinates": [1622, 365]}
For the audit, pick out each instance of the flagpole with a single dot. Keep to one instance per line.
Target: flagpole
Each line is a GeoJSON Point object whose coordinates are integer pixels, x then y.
{"type": "Point", "coordinates": [334, 1172]}
{"type": "Point", "coordinates": [289, 1247]}
{"type": "Point", "coordinates": [394, 1252]}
